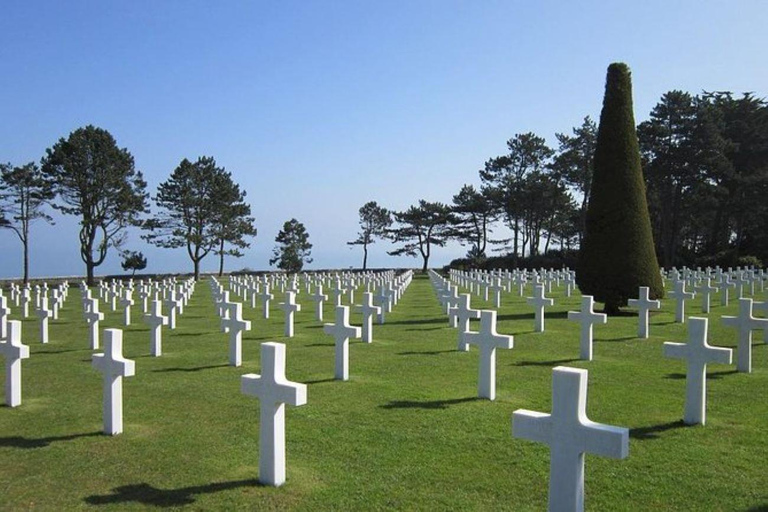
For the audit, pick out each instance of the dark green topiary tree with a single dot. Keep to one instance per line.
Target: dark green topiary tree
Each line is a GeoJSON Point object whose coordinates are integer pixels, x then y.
{"type": "Point", "coordinates": [617, 254]}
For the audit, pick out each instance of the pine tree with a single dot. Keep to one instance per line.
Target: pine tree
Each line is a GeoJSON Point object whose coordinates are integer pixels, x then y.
{"type": "Point", "coordinates": [617, 254]}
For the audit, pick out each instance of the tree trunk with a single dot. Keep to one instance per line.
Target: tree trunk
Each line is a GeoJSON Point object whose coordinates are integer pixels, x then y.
{"type": "Point", "coordinates": [221, 258]}
{"type": "Point", "coordinates": [426, 264]}
{"type": "Point", "coordinates": [26, 261]}
{"type": "Point", "coordinates": [365, 256]}
{"type": "Point", "coordinates": [89, 273]}
{"type": "Point", "coordinates": [197, 269]}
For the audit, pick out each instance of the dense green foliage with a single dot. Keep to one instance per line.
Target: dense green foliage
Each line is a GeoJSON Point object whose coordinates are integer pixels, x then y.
{"type": "Point", "coordinates": [406, 432]}
{"type": "Point", "coordinates": [133, 261]}
{"type": "Point", "coordinates": [617, 253]}
{"type": "Point", "coordinates": [374, 221]}
{"type": "Point", "coordinates": [419, 228]}
{"type": "Point", "coordinates": [292, 249]}
{"type": "Point", "coordinates": [201, 209]}
{"type": "Point", "coordinates": [23, 194]}
{"type": "Point", "coordinates": [95, 180]}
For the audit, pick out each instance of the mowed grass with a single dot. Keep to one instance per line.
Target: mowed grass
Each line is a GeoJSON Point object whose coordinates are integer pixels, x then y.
{"type": "Point", "coordinates": [405, 432]}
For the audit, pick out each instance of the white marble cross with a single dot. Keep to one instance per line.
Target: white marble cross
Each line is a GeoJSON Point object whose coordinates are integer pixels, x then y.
{"type": "Point", "coordinates": [539, 301]}
{"type": "Point", "coordinates": [273, 390]}
{"type": "Point", "coordinates": [368, 310]}
{"type": "Point", "coordinates": [318, 298]}
{"type": "Point", "coordinates": [643, 305]}
{"type": "Point", "coordinates": [235, 326]}
{"type": "Point", "coordinates": [5, 312]}
{"type": "Point", "coordinates": [156, 320]}
{"type": "Point", "coordinates": [341, 332]}
{"type": "Point", "coordinates": [126, 301]}
{"type": "Point", "coordinates": [290, 306]}
{"type": "Point", "coordinates": [93, 316]}
{"type": "Point", "coordinates": [265, 297]}
{"type": "Point", "coordinates": [114, 367]}
{"type": "Point", "coordinates": [745, 323]}
{"type": "Point", "coordinates": [173, 304]}
{"type": "Point", "coordinates": [488, 340]}
{"type": "Point", "coordinates": [43, 313]}
{"type": "Point", "coordinates": [587, 318]}
{"type": "Point", "coordinates": [382, 299]}
{"type": "Point", "coordinates": [680, 296]}
{"type": "Point", "coordinates": [496, 288]}
{"type": "Point", "coordinates": [13, 351]}
{"type": "Point", "coordinates": [697, 352]}
{"type": "Point", "coordinates": [569, 434]}
{"type": "Point", "coordinates": [705, 290]}
{"type": "Point", "coordinates": [463, 314]}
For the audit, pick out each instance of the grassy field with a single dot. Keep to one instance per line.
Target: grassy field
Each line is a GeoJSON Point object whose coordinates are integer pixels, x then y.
{"type": "Point", "coordinates": [406, 432]}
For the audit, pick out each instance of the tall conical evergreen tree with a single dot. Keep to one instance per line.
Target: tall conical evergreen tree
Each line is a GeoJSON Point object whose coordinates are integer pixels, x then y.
{"type": "Point", "coordinates": [617, 254]}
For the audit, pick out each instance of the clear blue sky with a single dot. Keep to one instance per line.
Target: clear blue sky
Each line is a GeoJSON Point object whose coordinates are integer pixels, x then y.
{"type": "Point", "coordinates": [318, 107]}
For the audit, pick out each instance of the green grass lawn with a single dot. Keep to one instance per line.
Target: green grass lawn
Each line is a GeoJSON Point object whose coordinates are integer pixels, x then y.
{"type": "Point", "coordinates": [405, 432]}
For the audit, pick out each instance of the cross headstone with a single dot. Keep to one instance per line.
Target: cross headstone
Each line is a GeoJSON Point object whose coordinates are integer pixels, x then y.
{"type": "Point", "coordinates": [114, 367]}
{"type": "Point", "coordinates": [43, 313]}
{"type": "Point", "coordinates": [126, 301]}
{"type": "Point", "coordinates": [569, 434]}
{"type": "Point", "coordinates": [341, 332]}
{"type": "Point", "coordinates": [488, 340]}
{"type": "Point", "coordinates": [697, 352]}
{"type": "Point", "coordinates": [156, 320]}
{"type": "Point", "coordinates": [587, 318]}
{"type": "Point", "coordinates": [680, 296]}
{"type": "Point", "coordinates": [93, 316]}
{"type": "Point", "coordinates": [745, 323]}
{"type": "Point", "coordinates": [705, 290]}
{"type": "Point", "coordinates": [173, 305]}
{"type": "Point", "coordinates": [273, 390]}
{"type": "Point", "coordinates": [463, 314]}
{"type": "Point", "coordinates": [539, 301]}
{"type": "Point", "coordinates": [643, 305]}
{"type": "Point", "coordinates": [236, 325]}
{"type": "Point", "coordinates": [368, 310]}
{"type": "Point", "coordinates": [290, 307]}
{"type": "Point", "coordinates": [318, 298]}
{"type": "Point", "coordinates": [5, 312]}
{"type": "Point", "coordinates": [13, 351]}
{"type": "Point", "coordinates": [265, 297]}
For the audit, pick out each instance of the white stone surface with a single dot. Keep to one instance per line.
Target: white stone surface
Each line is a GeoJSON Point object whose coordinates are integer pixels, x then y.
{"type": "Point", "coordinates": [273, 390]}
{"type": "Point", "coordinates": [587, 318]}
{"type": "Point", "coordinates": [319, 299]}
{"type": "Point", "coordinates": [697, 353]}
{"type": "Point", "coordinates": [93, 316]}
{"type": "Point", "coordinates": [290, 307]}
{"type": "Point", "coordinates": [487, 340]}
{"type": "Point", "coordinates": [539, 301]}
{"type": "Point", "coordinates": [43, 313]}
{"type": "Point", "coordinates": [705, 291]}
{"type": "Point", "coordinates": [368, 310]}
{"type": "Point", "coordinates": [569, 434]}
{"type": "Point", "coordinates": [341, 332]}
{"type": "Point", "coordinates": [156, 320]}
{"type": "Point", "coordinates": [13, 351]}
{"type": "Point", "coordinates": [745, 323]}
{"type": "Point", "coordinates": [235, 326]}
{"type": "Point", "coordinates": [680, 296]}
{"type": "Point", "coordinates": [114, 367]}
{"type": "Point", "coordinates": [644, 304]}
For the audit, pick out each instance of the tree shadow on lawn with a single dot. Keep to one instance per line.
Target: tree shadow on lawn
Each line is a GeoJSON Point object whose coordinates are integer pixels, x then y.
{"type": "Point", "coordinates": [433, 404]}
{"type": "Point", "coordinates": [435, 320]}
{"type": "Point", "coordinates": [712, 375]}
{"type": "Point", "coordinates": [27, 443]}
{"type": "Point", "coordinates": [146, 494]}
{"type": "Point", "coordinates": [653, 431]}
{"type": "Point", "coordinates": [530, 316]}
{"type": "Point", "coordinates": [427, 352]}
{"type": "Point", "coordinates": [546, 363]}
{"type": "Point", "coordinates": [759, 508]}
{"type": "Point", "coordinates": [193, 369]}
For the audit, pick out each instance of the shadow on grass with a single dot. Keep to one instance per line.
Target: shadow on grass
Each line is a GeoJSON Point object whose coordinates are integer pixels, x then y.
{"type": "Point", "coordinates": [430, 329]}
{"type": "Point", "coordinates": [146, 494]}
{"type": "Point", "coordinates": [759, 508]}
{"type": "Point", "coordinates": [710, 375]}
{"type": "Point", "coordinates": [436, 320]}
{"type": "Point", "coordinates": [319, 381]}
{"type": "Point", "coordinates": [427, 352]}
{"type": "Point", "coordinates": [621, 338]}
{"type": "Point", "coordinates": [433, 404]}
{"type": "Point", "coordinates": [187, 334]}
{"type": "Point", "coordinates": [653, 431]}
{"type": "Point", "coordinates": [320, 345]}
{"type": "Point", "coordinates": [530, 316]}
{"type": "Point", "coordinates": [60, 351]}
{"type": "Point", "coordinates": [193, 369]}
{"type": "Point", "coordinates": [26, 443]}
{"type": "Point", "coordinates": [546, 363]}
